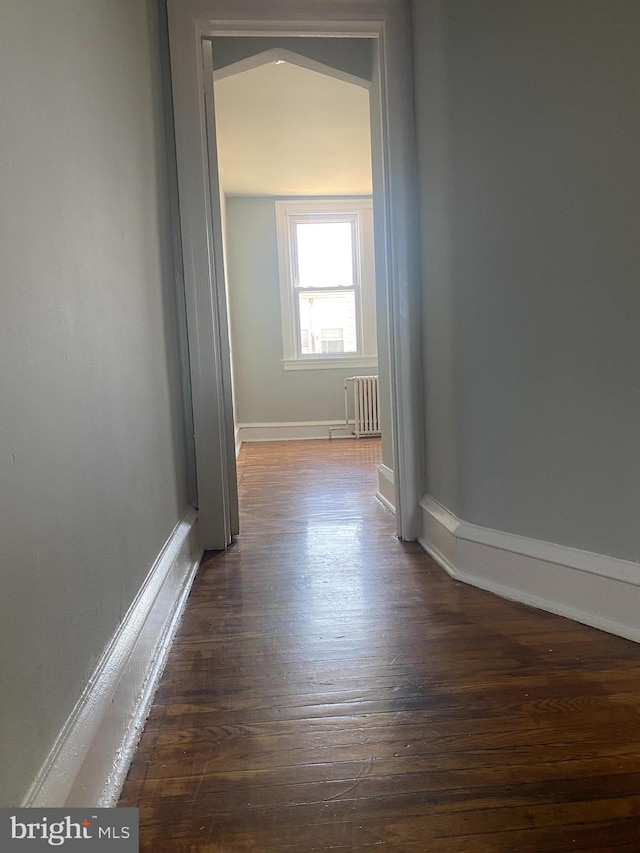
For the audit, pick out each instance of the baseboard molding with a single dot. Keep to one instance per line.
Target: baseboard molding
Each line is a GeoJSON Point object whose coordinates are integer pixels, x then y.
{"type": "Point", "coordinates": [291, 431]}
{"type": "Point", "coordinates": [238, 440]}
{"type": "Point", "coordinates": [386, 488]}
{"type": "Point", "coordinates": [600, 591]}
{"type": "Point", "coordinates": [90, 758]}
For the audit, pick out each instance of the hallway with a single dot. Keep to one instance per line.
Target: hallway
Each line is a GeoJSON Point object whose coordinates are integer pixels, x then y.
{"type": "Point", "coordinates": [331, 688]}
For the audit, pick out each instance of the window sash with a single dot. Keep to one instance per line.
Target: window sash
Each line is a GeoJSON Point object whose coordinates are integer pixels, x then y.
{"type": "Point", "coordinates": [327, 209]}
{"type": "Point", "coordinates": [323, 218]}
{"type": "Point", "coordinates": [335, 291]}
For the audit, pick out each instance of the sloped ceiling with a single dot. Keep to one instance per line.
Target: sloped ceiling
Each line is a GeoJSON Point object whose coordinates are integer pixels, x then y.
{"type": "Point", "coordinates": [287, 130]}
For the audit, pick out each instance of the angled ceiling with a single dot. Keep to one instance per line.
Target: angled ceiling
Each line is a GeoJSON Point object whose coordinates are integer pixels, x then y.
{"type": "Point", "coordinates": [287, 130]}
{"type": "Point", "coordinates": [353, 56]}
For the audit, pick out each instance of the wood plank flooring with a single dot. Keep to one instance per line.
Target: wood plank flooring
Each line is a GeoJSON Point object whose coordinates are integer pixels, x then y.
{"type": "Point", "coordinates": [332, 689]}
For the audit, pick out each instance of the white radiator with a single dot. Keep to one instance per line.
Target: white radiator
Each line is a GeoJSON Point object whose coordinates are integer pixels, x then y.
{"type": "Point", "coordinates": [366, 405]}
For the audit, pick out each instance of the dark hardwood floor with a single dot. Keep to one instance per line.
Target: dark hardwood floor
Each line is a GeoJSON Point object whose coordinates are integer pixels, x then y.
{"type": "Point", "coordinates": [332, 689]}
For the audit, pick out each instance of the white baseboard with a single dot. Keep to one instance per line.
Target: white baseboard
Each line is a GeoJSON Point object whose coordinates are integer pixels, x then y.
{"type": "Point", "coordinates": [594, 589]}
{"type": "Point", "coordinates": [386, 488]}
{"type": "Point", "coordinates": [238, 440]}
{"type": "Point", "coordinates": [90, 758]}
{"type": "Point", "coordinates": [291, 431]}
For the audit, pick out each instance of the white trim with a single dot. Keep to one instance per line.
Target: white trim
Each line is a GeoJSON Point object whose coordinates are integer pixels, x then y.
{"type": "Point", "coordinates": [591, 588]}
{"type": "Point", "coordinates": [90, 758]}
{"type": "Point", "coordinates": [386, 493]}
{"type": "Point", "coordinates": [292, 431]}
{"type": "Point", "coordinates": [280, 54]}
{"type": "Point", "coordinates": [238, 439]}
{"type": "Point", "coordinates": [330, 363]}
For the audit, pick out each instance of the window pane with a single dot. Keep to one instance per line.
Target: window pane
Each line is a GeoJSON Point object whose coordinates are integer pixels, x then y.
{"type": "Point", "coordinates": [332, 340]}
{"type": "Point", "coordinates": [325, 254]}
{"type": "Point", "coordinates": [327, 322]}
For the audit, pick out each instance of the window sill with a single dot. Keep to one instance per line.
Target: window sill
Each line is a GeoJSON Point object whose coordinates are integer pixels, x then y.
{"type": "Point", "coordinates": [322, 363]}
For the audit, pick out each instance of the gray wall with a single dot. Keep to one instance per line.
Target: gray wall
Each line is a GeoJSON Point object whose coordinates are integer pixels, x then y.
{"type": "Point", "coordinates": [264, 391]}
{"type": "Point", "coordinates": [529, 179]}
{"type": "Point", "coordinates": [92, 461]}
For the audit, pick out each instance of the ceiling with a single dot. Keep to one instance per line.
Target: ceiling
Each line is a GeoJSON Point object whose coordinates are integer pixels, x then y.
{"type": "Point", "coordinates": [287, 130]}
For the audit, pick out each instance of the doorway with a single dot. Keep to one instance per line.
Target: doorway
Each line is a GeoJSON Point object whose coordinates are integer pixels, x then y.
{"type": "Point", "coordinates": [385, 25]}
{"type": "Point", "coordinates": [293, 135]}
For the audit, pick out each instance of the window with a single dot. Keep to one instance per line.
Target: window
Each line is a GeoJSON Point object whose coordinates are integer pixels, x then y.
{"type": "Point", "coordinates": [327, 283]}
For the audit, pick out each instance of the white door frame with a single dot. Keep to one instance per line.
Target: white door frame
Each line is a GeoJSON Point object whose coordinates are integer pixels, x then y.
{"type": "Point", "coordinates": [192, 22]}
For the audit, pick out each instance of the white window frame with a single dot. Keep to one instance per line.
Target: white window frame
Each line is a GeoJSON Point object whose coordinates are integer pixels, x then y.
{"type": "Point", "coordinates": [360, 211]}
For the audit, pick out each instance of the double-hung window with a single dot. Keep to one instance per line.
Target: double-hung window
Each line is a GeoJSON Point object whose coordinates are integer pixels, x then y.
{"type": "Point", "coordinates": [327, 282]}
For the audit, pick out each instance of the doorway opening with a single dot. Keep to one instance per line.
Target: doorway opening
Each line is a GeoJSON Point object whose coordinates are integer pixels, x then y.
{"type": "Point", "coordinates": [293, 142]}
